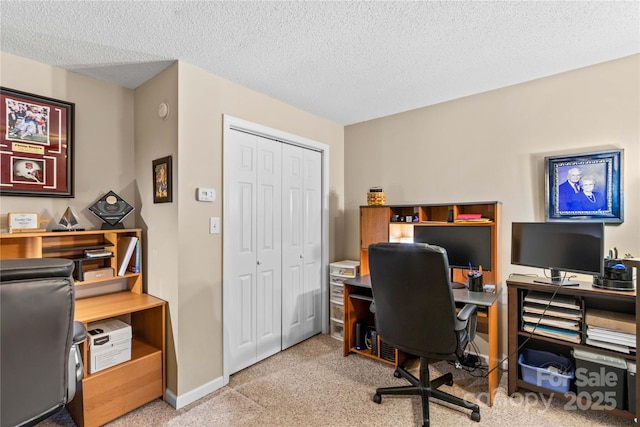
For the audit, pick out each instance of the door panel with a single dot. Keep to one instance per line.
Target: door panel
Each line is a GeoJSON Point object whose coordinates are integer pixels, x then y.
{"type": "Point", "coordinates": [292, 247]}
{"type": "Point", "coordinates": [241, 262]}
{"type": "Point", "coordinates": [269, 248]}
{"type": "Point", "coordinates": [312, 242]}
{"type": "Point", "coordinates": [301, 244]}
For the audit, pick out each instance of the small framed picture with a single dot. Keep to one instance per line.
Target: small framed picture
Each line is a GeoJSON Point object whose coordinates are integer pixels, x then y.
{"type": "Point", "coordinates": [36, 145]}
{"type": "Point", "coordinates": [585, 187]}
{"type": "Point", "coordinates": [162, 186]}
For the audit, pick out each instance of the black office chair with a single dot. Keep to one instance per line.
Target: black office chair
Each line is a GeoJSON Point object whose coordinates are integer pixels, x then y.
{"type": "Point", "coordinates": [416, 313]}
{"type": "Point", "coordinates": [39, 360]}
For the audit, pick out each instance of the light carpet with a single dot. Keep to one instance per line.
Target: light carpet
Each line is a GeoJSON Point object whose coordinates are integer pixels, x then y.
{"type": "Point", "coordinates": [312, 384]}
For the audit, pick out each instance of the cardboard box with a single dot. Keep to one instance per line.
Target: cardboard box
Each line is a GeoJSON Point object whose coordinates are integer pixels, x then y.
{"type": "Point", "coordinates": [109, 344]}
{"type": "Point", "coordinates": [98, 273]}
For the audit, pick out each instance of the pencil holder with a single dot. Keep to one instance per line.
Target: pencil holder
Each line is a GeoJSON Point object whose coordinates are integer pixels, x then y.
{"type": "Point", "coordinates": [475, 282]}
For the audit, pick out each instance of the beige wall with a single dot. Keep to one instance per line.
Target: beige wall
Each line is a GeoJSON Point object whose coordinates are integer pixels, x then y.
{"type": "Point", "coordinates": [492, 146]}
{"type": "Point", "coordinates": [184, 263]}
{"type": "Point", "coordinates": [103, 141]}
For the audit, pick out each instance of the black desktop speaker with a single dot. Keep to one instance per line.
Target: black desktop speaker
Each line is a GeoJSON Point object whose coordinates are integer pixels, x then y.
{"type": "Point", "coordinates": [360, 333]}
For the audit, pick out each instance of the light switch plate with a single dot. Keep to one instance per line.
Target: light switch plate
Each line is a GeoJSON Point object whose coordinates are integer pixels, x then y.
{"type": "Point", "coordinates": [214, 225]}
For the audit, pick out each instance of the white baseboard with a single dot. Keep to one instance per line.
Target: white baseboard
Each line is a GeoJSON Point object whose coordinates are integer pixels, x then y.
{"type": "Point", "coordinates": [178, 402]}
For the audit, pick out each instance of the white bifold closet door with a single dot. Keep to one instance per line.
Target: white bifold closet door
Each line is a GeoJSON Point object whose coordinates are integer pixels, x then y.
{"type": "Point", "coordinates": [301, 244]}
{"type": "Point", "coordinates": [274, 261]}
{"type": "Point", "coordinates": [255, 261]}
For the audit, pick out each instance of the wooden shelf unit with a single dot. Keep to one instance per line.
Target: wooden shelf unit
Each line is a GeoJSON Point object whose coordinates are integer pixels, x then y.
{"type": "Point", "coordinates": [592, 297]}
{"type": "Point", "coordinates": [111, 393]}
{"type": "Point", "coordinates": [376, 225]}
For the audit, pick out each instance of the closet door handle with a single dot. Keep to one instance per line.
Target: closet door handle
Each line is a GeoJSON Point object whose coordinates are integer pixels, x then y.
{"type": "Point", "coordinates": [258, 262]}
{"type": "Point", "coordinates": [301, 256]}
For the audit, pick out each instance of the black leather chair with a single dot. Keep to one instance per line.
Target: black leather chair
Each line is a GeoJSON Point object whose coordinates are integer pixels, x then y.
{"type": "Point", "coordinates": [39, 360]}
{"type": "Point", "coordinates": [415, 313]}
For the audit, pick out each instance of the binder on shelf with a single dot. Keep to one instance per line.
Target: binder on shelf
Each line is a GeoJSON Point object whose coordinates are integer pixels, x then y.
{"type": "Point", "coordinates": [126, 245]}
{"type": "Point", "coordinates": [134, 262]}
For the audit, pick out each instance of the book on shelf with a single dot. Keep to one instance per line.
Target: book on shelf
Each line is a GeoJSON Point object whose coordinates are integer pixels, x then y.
{"type": "Point", "coordinates": [469, 216]}
{"type": "Point", "coordinates": [126, 246]}
{"type": "Point", "coordinates": [134, 262]}
{"type": "Point", "coordinates": [623, 322]}
{"type": "Point", "coordinates": [550, 331]}
{"type": "Point", "coordinates": [473, 220]}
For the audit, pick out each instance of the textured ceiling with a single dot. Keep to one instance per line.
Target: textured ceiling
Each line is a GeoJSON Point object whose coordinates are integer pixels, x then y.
{"type": "Point", "coordinates": [346, 61]}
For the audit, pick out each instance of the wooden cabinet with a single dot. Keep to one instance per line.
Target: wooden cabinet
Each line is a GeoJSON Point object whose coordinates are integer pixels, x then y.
{"type": "Point", "coordinates": [588, 297]}
{"type": "Point", "coordinates": [110, 393]}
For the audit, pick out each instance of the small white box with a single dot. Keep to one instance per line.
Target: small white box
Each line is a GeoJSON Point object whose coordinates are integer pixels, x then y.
{"type": "Point", "coordinates": [109, 344]}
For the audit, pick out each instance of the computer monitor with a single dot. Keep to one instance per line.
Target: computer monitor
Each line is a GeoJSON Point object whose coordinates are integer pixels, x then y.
{"type": "Point", "coordinates": [576, 247]}
{"type": "Point", "coordinates": [466, 245]}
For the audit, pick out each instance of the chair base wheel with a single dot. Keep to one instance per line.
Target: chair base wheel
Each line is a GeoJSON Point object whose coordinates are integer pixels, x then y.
{"type": "Point", "coordinates": [449, 383]}
{"type": "Point", "coordinates": [397, 374]}
{"type": "Point", "coordinates": [475, 416]}
{"type": "Point", "coordinates": [377, 398]}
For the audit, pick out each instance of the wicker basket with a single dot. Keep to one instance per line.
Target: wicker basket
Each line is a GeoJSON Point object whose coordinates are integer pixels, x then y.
{"type": "Point", "coordinates": [375, 196]}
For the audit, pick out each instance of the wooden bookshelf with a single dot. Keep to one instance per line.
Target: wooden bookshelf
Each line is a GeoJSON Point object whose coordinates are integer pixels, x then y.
{"type": "Point", "coordinates": [111, 393]}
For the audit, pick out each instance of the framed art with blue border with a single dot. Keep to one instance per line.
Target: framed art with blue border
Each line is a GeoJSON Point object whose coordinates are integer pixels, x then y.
{"type": "Point", "coordinates": [584, 187]}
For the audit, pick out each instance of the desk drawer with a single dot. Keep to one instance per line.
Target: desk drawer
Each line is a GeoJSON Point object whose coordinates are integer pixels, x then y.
{"type": "Point", "coordinates": [123, 388]}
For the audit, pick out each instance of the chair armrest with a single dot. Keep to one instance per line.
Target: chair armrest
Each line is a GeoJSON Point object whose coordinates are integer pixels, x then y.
{"type": "Point", "coordinates": [467, 311]}
{"type": "Point", "coordinates": [464, 315]}
{"type": "Point", "coordinates": [79, 333]}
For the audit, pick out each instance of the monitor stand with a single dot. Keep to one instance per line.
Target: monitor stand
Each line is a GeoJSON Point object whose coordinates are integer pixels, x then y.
{"type": "Point", "coordinates": [557, 279]}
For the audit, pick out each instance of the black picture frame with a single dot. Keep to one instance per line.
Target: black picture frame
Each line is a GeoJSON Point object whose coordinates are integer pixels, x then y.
{"type": "Point", "coordinates": [36, 145]}
{"type": "Point", "coordinates": [162, 181]}
{"type": "Point", "coordinates": [601, 197]}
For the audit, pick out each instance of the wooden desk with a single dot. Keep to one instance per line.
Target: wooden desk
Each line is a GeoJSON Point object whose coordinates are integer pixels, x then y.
{"type": "Point", "coordinates": [358, 298]}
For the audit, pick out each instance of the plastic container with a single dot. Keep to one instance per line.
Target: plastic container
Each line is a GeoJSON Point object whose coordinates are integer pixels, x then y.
{"type": "Point", "coordinates": [601, 378]}
{"type": "Point", "coordinates": [337, 311]}
{"type": "Point", "coordinates": [548, 370]}
{"type": "Point", "coordinates": [337, 293]}
{"type": "Point", "coordinates": [337, 330]}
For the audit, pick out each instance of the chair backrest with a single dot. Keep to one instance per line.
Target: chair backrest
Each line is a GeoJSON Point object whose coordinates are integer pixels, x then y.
{"type": "Point", "coordinates": [36, 323]}
{"type": "Point", "coordinates": [414, 306]}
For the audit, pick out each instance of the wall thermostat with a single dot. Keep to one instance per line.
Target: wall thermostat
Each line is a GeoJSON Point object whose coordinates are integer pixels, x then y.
{"type": "Point", "coordinates": [205, 194]}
